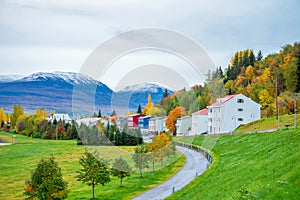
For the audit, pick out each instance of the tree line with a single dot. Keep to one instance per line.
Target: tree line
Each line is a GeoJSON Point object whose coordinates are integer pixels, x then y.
{"type": "Point", "coordinates": [109, 135]}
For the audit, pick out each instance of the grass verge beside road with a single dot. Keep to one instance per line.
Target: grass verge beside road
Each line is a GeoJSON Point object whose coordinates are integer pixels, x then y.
{"type": "Point", "coordinates": [250, 166]}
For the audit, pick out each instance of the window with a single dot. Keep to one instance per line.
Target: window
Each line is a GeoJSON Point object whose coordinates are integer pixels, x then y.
{"type": "Point", "coordinates": [240, 109]}
{"type": "Point", "coordinates": [240, 119]}
{"type": "Point", "coordinates": [210, 119]}
{"type": "Point", "coordinates": [210, 110]}
{"type": "Point", "coordinates": [210, 129]}
{"type": "Point", "coordinates": [240, 100]}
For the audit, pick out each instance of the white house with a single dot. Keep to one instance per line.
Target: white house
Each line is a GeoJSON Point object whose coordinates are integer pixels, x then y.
{"type": "Point", "coordinates": [156, 125]}
{"type": "Point", "coordinates": [183, 126]}
{"type": "Point", "coordinates": [90, 121]}
{"type": "Point", "coordinates": [227, 113]}
{"type": "Point", "coordinates": [199, 122]}
{"type": "Point", "coordinates": [121, 121]}
{"type": "Point", "coordinates": [60, 117]}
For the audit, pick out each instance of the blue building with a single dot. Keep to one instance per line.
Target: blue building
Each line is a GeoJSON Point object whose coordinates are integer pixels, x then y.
{"type": "Point", "coordinates": [144, 122]}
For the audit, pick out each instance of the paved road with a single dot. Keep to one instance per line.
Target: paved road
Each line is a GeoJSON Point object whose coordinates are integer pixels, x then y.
{"type": "Point", "coordinates": [195, 164]}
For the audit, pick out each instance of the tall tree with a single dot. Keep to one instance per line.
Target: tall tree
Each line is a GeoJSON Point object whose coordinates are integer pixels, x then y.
{"type": "Point", "coordinates": [46, 182]}
{"type": "Point", "coordinates": [93, 171]}
{"type": "Point", "coordinates": [172, 117]}
{"type": "Point", "coordinates": [120, 169]}
{"type": "Point", "coordinates": [166, 93]}
{"type": "Point", "coordinates": [259, 56]}
{"type": "Point", "coordinates": [18, 111]}
{"type": "Point", "coordinates": [139, 110]}
{"type": "Point", "coordinates": [141, 158]}
{"type": "Point", "coordinates": [148, 106]}
{"type": "Point", "coordinates": [99, 113]}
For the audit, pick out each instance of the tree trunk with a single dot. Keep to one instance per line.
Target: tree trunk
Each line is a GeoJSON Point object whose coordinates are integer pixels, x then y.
{"type": "Point", "coordinates": [93, 187]}
{"type": "Point", "coordinates": [141, 173]}
{"type": "Point", "coordinates": [121, 180]}
{"type": "Point", "coordinates": [153, 166]}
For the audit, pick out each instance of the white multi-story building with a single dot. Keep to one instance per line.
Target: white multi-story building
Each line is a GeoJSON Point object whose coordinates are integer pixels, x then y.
{"type": "Point", "coordinates": [199, 122]}
{"type": "Point", "coordinates": [184, 126]}
{"type": "Point", "coordinates": [229, 112]}
{"type": "Point", "coordinates": [157, 125]}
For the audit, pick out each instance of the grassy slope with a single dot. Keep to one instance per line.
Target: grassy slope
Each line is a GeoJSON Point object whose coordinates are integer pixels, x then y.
{"type": "Point", "coordinates": [18, 160]}
{"type": "Point", "coordinates": [253, 166]}
{"type": "Point", "coordinates": [269, 123]}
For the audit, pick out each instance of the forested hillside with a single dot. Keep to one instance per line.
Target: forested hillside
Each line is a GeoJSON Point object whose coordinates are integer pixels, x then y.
{"type": "Point", "coordinates": [255, 76]}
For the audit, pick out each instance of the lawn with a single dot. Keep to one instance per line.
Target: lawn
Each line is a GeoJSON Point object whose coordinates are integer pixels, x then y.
{"type": "Point", "coordinates": [269, 123]}
{"type": "Point", "coordinates": [19, 159]}
{"type": "Point", "coordinates": [248, 166]}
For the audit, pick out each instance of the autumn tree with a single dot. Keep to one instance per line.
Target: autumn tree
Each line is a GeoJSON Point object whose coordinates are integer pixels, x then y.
{"type": "Point", "coordinates": [149, 105]}
{"type": "Point", "coordinates": [159, 148]}
{"type": "Point", "coordinates": [46, 182]}
{"type": "Point", "coordinates": [141, 158]}
{"type": "Point", "coordinates": [120, 169]}
{"type": "Point", "coordinates": [2, 117]}
{"type": "Point", "coordinates": [172, 117]}
{"type": "Point", "coordinates": [17, 111]}
{"type": "Point", "coordinates": [93, 172]}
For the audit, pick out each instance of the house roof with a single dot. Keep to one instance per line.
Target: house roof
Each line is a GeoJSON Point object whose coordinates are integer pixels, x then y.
{"type": "Point", "coordinates": [221, 101]}
{"type": "Point", "coordinates": [202, 112]}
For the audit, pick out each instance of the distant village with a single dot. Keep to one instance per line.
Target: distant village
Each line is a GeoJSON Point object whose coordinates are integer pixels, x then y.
{"type": "Point", "coordinates": [223, 116]}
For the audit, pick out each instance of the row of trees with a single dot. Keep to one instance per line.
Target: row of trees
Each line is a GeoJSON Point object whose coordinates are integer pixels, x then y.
{"type": "Point", "coordinates": [46, 180]}
{"type": "Point", "coordinates": [111, 135]}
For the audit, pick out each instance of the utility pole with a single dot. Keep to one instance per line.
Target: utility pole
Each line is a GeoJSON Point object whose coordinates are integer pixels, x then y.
{"type": "Point", "coordinates": [276, 96]}
{"type": "Point", "coordinates": [295, 110]}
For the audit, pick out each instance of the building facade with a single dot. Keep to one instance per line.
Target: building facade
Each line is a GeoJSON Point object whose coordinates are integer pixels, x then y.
{"type": "Point", "coordinates": [183, 126]}
{"type": "Point", "coordinates": [133, 120]}
{"type": "Point", "coordinates": [229, 112]}
{"type": "Point", "coordinates": [199, 122]}
{"type": "Point", "coordinates": [157, 125]}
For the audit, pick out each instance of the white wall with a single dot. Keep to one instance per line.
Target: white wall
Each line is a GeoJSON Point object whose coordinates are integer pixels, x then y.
{"type": "Point", "coordinates": [199, 124]}
{"type": "Point", "coordinates": [227, 117]}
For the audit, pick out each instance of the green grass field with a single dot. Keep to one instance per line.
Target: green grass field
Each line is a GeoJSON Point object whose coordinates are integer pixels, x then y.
{"type": "Point", "coordinates": [270, 123]}
{"type": "Point", "coordinates": [19, 159]}
{"type": "Point", "coordinates": [248, 166]}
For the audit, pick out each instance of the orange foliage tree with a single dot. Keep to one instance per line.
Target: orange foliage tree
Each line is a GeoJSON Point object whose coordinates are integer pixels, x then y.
{"type": "Point", "coordinates": [172, 117]}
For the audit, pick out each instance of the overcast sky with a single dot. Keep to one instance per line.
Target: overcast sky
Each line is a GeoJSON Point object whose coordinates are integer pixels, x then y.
{"type": "Point", "coordinates": [59, 35]}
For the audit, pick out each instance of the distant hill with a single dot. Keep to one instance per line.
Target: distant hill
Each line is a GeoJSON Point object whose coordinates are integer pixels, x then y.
{"type": "Point", "coordinates": [56, 91]}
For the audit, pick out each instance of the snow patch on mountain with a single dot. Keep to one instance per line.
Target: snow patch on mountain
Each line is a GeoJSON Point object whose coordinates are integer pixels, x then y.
{"type": "Point", "coordinates": [69, 77]}
{"type": "Point", "coordinates": [144, 87]}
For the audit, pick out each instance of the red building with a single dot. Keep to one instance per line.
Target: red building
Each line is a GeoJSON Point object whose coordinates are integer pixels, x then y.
{"type": "Point", "coordinates": [133, 120]}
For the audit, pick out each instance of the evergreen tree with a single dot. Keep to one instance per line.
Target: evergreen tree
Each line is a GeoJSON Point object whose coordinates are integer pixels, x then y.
{"type": "Point", "coordinates": [251, 59]}
{"type": "Point", "coordinates": [259, 56]}
{"type": "Point", "coordinates": [99, 113]}
{"type": "Point", "coordinates": [46, 182]}
{"type": "Point", "coordinates": [166, 93]}
{"type": "Point", "coordinates": [113, 113]}
{"type": "Point", "coordinates": [139, 110]}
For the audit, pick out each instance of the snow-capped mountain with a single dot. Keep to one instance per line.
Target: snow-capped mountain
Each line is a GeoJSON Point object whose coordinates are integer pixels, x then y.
{"type": "Point", "coordinates": [134, 95]}
{"type": "Point", "coordinates": [68, 77]}
{"type": "Point", "coordinates": [54, 91]}
{"type": "Point", "coordinates": [9, 78]}
{"type": "Point", "coordinates": [62, 90]}
{"type": "Point", "coordinates": [144, 87]}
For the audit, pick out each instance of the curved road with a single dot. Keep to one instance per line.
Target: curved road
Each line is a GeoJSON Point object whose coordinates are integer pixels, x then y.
{"type": "Point", "coordinates": [195, 164]}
